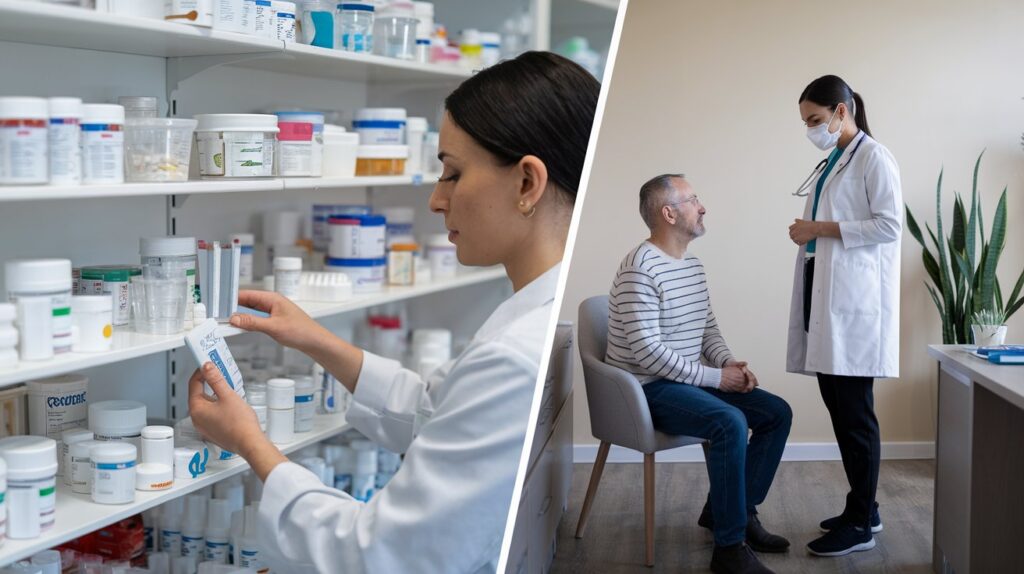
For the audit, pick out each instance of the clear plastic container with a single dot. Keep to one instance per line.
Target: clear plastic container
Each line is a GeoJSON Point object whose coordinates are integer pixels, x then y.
{"type": "Point", "coordinates": [236, 145]}
{"type": "Point", "coordinates": [158, 149]}
{"type": "Point", "coordinates": [354, 27]}
{"type": "Point", "coordinates": [139, 106]}
{"type": "Point", "coordinates": [317, 23]}
{"type": "Point", "coordinates": [395, 31]}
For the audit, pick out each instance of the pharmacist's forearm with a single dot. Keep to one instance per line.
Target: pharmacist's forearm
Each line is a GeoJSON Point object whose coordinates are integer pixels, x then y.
{"type": "Point", "coordinates": [339, 358]}
{"type": "Point", "coordinates": [263, 457]}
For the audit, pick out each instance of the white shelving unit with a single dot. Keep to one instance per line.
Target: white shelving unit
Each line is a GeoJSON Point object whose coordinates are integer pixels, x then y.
{"type": "Point", "coordinates": [77, 514]}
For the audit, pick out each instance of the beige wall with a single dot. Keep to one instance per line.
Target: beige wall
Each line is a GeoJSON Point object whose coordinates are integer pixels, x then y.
{"type": "Point", "coordinates": [711, 88]}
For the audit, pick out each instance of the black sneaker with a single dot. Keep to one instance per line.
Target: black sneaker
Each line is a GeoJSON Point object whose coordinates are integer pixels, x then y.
{"type": "Point", "coordinates": [842, 541]}
{"type": "Point", "coordinates": [834, 522]}
{"type": "Point", "coordinates": [758, 538]}
{"type": "Point", "coordinates": [736, 559]}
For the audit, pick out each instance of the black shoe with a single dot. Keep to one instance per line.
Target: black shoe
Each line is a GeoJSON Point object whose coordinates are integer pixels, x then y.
{"type": "Point", "coordinates": [758, 538]}
{"type": "Point", "coordinates": [842, 541]}
{"type": "Point", "coordinates": [834, 522]}
{"type": "Point", "coordinates": [761, 540]}
{"type": "Point", "coordinates": [736, 559]}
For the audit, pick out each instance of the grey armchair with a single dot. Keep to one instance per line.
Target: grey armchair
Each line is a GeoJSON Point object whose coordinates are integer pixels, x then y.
{"type": "Point", "coordinates": [618, 414]}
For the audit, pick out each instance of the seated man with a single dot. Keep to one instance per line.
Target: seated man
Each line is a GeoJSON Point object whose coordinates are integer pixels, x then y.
{"type": "Point", "coordinates": [662, 329]}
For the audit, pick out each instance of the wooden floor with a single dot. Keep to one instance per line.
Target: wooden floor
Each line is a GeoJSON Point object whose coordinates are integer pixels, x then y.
{"type": "Point", "coordinates": [803, 494]}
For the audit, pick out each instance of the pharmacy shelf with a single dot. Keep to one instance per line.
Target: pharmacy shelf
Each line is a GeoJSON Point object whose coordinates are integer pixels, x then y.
{"type": "Point", "coordinates": [78, 515]}
{"type": "Point", "coordinates": [51, 192]}
{"type": "Point", "coordinates": [69, 27]}
{"type": "Point", "coordinates": [128, 344]}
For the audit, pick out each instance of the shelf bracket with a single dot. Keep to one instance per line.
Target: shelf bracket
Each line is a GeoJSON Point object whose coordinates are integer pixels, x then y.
{"type": "Point", "coordinates": [181, 68]}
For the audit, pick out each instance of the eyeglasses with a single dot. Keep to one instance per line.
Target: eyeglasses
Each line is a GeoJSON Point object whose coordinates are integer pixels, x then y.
{"type": "Point", "coordinates": [692, 199]}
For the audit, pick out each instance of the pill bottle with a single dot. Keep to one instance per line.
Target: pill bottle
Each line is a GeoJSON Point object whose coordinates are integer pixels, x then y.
{"type": "Point", "coordinates": [234, 15]}
{"type": "Point", "coordinates": [490, 53]}
{"type": "Point", "coordinates": [305, 407]}
{"type": "Point", "coordinates": [284, 20]}
{"type": "Point", "coordinates": [193, 545]}
{"type": "Point", "coordinates": [24, 157]}
{"type": "Point", "coordinates": [48, 561]}
{"type": "Point", "coordinates": [49, 278]}
{"type": "Point", "coordinates": [102, 144]}
{"type": "Point", "coordinates": [190, 459]}
{"type": "Point", "coordinates": [139, 106]}
{"type": "Point", "coordinates": [444, 264]}
{"type": "Point", "coordinates": [218, 531]}
{"type": "Point", "coordinates": [170, 526]}
{"type": "Point", "coordinates": [263, 23]}
{"type": "Point", "coordinates": [258, 401]}
{"type": "Point", "coordinates": [159, 252]}
{"type": "Point", "coordinates": [236, 145]}
{"type": "Point", "coordinates": [153, 476]}
{"type": "Point", "coordinates": [31, 484]}
{"type": "Point", "coordinates": [317, 23]}
{"type": "Point", "coordinates": [340, 148]}
{"type": "Point", "coordinates": [364, 475]}
{"type": "Point", "coordinates": [354, 27]}
{"type": "Point", "coordinates": [158, 445]}
{"type": "Point", "coordinates": [281, 410]}
{"type": "Point", "coordinates": [380, 126]}
{"type": "Point", "coordinates": [245, 261]}
{"type": "Point", "coordinates": [415, 132]}
{"type": "Point", "coordinates": [402, 264]}
{"type": "Point", "coordinates": [56, 404]}
{"type": "Point", "coordinates": [68, 438]}
{"type": "Point", "coordinates": [92, 316]}
{"type": "Point", "coordinates": [287, 272]}
{"type": "Point", "coordinates": [194, 12]}
{"type": "Point", "coordinates": [35, 327]}
{"type": "Point", "coordinates": [64, 135]}
{"type": "Point", "coordinates": [8, 335]}
{"type": "Point", "coordinates": [366, 275]}
{"type": "Point", "coordinates": [380, 160]}
{"type": "Point", "coordinates": [118, 421]}
{"type": "Point", "coordinates": [300, 144]}
{"type": "Point", "coordinates": [357, 236]}
{"type": "Point", "coordinates": [79, 472]}
{"type": "Point", "coordinates": [113, 473]}
{"type": "Point", "coordinates": [113, 280]}
{"type": "Point", "coordinates": [425, 27]}
{"type": "Point", "coordinates": [471, 48]}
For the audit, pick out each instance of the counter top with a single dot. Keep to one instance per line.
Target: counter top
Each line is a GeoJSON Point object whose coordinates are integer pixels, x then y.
{"type": "Point", "coordinates": [1006, 381]}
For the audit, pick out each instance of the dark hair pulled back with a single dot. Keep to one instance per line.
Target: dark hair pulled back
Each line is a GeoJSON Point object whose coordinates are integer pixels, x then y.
{"type": "Point", "coordinates": [830, 91]}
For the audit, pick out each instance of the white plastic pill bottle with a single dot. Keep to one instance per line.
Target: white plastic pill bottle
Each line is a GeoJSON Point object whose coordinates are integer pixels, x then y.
{"type": "Point", "coordinates": [31, 484]}
{"type": "Point", "coordinates": [113, 473]}
{"type": "Point", "coordinates": [50, 278]}
{"type": "Point", "coordinates": [65, 141]}
{"type": "Point", "coordinates": [118, 421]}
{"type": "Point", "coordinates": [102, 144]}
{"type": "Point", "coordinates": [23, 148]}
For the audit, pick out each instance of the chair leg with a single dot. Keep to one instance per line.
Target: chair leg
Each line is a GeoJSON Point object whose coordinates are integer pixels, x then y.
{"type": "Point", "coordinates": [649, 507]}
{"type": "Point", "coordinates": [595, 479]}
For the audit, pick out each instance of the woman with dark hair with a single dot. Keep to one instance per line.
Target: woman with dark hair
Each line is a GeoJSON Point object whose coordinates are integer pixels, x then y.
{"type": "Point", "coordinates": [513, 141]}
{"type": "Point", "coordinates": [845, 310]}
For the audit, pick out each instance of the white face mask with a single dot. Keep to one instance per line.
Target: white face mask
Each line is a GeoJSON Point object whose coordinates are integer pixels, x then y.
{"type": "Point", "coordinates": [821, 137]}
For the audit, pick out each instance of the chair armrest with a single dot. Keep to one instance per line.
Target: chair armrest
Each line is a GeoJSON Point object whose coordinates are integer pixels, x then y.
{"type": "Point", "coordinates": [618, 407]}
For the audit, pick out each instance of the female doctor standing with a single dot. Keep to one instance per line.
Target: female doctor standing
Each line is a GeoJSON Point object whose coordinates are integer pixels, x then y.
{"type": "Point", "coordinates": [513, 141]}
{"type": "Point", "coordinates": [844, 318]}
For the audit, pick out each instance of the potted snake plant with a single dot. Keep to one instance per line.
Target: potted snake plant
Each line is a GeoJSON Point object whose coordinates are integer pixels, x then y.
{"type": "Point", "coordinates": [989, 328]}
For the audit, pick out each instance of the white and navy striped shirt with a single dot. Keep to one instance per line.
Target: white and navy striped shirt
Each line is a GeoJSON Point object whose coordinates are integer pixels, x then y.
{"type": "Point", "coordinates": [660, 322]}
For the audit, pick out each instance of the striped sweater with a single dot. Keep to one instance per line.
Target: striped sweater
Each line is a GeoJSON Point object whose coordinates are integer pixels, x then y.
{"type": "Point", "coordinates": [660, 322]}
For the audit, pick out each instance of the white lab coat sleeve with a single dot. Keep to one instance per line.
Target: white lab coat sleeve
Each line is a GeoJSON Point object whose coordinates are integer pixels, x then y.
{"type": "Point", "coordinates": [444, 510]}
{"type": "Point", "coordinates": [885, 201]}
{"type": "Point", "coordinates": [635, 298]}
{"type": "Point", "coordinates": [387, 401]}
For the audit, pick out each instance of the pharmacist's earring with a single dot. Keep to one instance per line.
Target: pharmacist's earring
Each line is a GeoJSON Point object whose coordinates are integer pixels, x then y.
{"type": "Point", "coordinates": [529, 214]}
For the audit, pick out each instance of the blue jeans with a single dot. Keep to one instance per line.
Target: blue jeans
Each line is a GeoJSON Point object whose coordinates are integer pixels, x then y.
{"type": "Point", "coordinates": [740, 474]}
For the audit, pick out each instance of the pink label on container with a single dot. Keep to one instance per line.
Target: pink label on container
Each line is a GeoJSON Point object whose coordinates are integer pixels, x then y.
{"type": "Point", "coordinates": [295, 131]}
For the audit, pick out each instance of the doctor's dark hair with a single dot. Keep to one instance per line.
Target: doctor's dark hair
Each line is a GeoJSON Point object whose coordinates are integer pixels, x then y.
{"type": "Point", "coordinates": [830, 91]}
{"type": "Point", "coordinates": [538, 104]}
{"type": "Point", "coordinates": [652, 196]}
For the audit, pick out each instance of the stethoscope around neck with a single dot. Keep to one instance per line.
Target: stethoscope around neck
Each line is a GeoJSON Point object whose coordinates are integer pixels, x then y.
{"type": "Point", "coordinates": [803, 190]}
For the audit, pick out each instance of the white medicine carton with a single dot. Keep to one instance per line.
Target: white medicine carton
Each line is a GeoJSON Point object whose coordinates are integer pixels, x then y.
{"type": "Point", "coordinates": [207, 345]}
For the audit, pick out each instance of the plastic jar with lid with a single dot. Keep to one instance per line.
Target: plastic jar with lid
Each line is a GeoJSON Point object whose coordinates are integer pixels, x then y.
{"type": "Point", "coordinates": [158, 445]}
{"type": "Point", "coordinates": [471, 49]}
{"type": "Point", "coordinates": [57, 403]}
{"type": "Point", "coordinates": [78, 474]}
{"type": "Point", "coordinates": [48, 279]}
{"type": "Point", "coordinates": [424, 28]}
{"type": "Point", "coordinates": [300, 144]}
{"type": "Point", "coordinates": [415, 133]}
{"type": "Point", "coordinates": [394, 30]}
{"type": "Point", "coordinates": [236, 145]}
{"type": "Point", "coordinates": [263, 22]}
{"type": "Point", "coordinates": [65, 136]}
{"type": "Point", "coordinates": [158, 253]}
{"type": "Point", "coordinates": [234, 16]}
{"type": "Point", "coordinates": [102, 143]}
{"type": "Point", "coordinates": [194, 12]}
{"type": "Point", "coordinates": [353, 27]}
{"type": "Point", "coordinates": [68, 438]}
{"type": "Point", "coordinates": [287, 272]}
{"type": "Point", "coordinates": [24, 156]}
{"type": "Point", "coordinates": [380, 126]}
{"type": "Point", "coordinates": [118, 421]}
{"type": "Point", "coordinates": [110, 280]}
{"type": "Point", "coordinates": [444, 263]}
{"type": "Point", "coordinates": [316, 26]}
{"type": "Point", "coordinates": [402, 263]}
{"type": "Point", "coordinates": [158, 149]}
{"type": "Point", "coordinates": [490, 52]}
{"type": "Point", "coordinates": [284, 20]}
{"type": "Point", "coordinates": [366, 275]}
{"type": "Point", "coordinates": [357, 236]}
{"type": "Point", "coordinates": [305, 406]}
{"type": "Point", "coordinates": [281, 410]}
{"type": "Point", "coordinates": [31, 484]}
{"type": "Point", "coordinates": [381, 159]}
{"type": "Point", "coordinates": [339, 155]}
{"type": "Point", "coordinates": [139, 106]}
{"type": "Point", "coordinates": [92, 316]}
{"type": "Point", "coordinates": [113, 473]}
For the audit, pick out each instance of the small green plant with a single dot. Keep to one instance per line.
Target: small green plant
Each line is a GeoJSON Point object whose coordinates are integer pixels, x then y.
{"type": "Point", "coordinates": [989, 318]}
{"type": "Point", "coordinates": [962, 269]}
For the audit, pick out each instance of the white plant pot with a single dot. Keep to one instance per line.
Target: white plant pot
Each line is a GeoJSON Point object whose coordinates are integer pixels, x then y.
{"type": "Point", "coordinates": [989, 335]}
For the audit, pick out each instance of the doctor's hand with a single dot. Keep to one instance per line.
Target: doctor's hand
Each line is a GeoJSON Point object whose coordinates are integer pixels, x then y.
{"type": "Point", "coordinates": [288, 324]}
{"type": "Point", "coordinates": [803, 231]}
{"type": "Point", "coordinates": [734, 380]}
{"type": "Point", "coordinates": [229, 422]}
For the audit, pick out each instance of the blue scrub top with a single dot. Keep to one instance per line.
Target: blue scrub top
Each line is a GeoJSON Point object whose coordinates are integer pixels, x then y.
{"type": "Point", "coordinates": [833, 158]}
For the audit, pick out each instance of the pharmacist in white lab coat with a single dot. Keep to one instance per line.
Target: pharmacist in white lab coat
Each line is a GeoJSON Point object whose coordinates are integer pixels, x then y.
{"type": "Point", "coordinates": [512, 142]}
{"type": "Point", "coordinates": [845, 311]}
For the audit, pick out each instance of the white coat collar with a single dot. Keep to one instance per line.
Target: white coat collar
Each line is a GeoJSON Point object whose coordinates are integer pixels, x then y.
{"type": "Point", "coordinates": [536, 293]}
{"type": "Point", "coordinates": [846, 157]}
